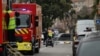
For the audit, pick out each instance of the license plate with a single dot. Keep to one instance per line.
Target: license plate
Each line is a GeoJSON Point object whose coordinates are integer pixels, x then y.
{"type": "Point", "coordinates": [24, 46]}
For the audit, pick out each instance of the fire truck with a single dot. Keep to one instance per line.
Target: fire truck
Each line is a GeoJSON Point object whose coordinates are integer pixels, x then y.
{"type": "Point", "coordinates": [1, 33]}
{"type": "Point", "coordinates": [28, 31]}
{"type": "Point", "coordinates": [2, 37]}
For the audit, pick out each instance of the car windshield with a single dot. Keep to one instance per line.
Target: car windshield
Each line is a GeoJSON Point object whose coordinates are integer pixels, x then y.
{"type": "Point", "coordinates": [64, 37]}
{"type": "Point", "coordinates": [24, 20]}
{"type": "Point", "coordinates": [91, 48]}
{"type": "Point", "coordinates": [81, 36]}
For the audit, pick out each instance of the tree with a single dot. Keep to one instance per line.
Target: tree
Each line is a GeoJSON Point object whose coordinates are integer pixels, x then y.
{"type": "Point", "coordinates": [93, 11]}
{"type": "Point", "coordinates": [53, 9]}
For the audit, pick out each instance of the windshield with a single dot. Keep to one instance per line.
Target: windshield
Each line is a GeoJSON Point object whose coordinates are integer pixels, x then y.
{"type": "Point", "coordinates": [91, 48]}
{"type": "Point", "coordinates": [64, 37]}
{"type": "Point", "coordinates": [24, 20]}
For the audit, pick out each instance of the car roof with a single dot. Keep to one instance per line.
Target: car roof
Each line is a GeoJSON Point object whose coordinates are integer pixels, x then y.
{"type": "Point", "coordinates": [62, 34]}
{"type": "Point", "coordinates": [92, 36]}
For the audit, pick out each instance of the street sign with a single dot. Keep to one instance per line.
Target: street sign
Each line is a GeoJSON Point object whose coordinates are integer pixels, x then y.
{"type": "Point", "coordinates": [98, 21]}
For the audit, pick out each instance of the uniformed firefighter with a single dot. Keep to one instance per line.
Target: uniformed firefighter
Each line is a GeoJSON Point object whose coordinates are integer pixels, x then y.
{"type": "Point", "coordinates": [50, 38]}
{"type": "Point", "coordinates": [9, 19]}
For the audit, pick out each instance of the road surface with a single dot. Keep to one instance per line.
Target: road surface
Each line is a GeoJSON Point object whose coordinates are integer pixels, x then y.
{"type": "Point", "coordinates": [57, 50]}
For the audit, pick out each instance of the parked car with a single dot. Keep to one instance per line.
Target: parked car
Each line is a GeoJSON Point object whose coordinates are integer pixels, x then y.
{"type": "Point", "coordinates": [89, 46]}
{"type": "Point", "coordinates": [80, 36]}
{"type": "Point", "coordinates": [91, 34]}
{"type": "Point", "coordinates": [81, 31]}
{"type": "Point", "coordinates": [63, 38]}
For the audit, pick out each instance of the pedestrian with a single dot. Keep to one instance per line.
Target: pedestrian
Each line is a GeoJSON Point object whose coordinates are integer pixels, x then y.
{"type": "Point", "coordinates": [50, 33]}
{"type": "Point", "coordinates": [45, 33]}
{"type": "Point", "coordinates": [10, 24]}
{"type": "Point", "coordinates": [49, 40]}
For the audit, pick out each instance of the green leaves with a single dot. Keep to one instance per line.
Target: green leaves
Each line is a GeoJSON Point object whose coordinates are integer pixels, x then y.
{"type": "Point", "coordinates": [53, 9]}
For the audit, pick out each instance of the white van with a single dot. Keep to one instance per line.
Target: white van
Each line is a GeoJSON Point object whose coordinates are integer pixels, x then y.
{"type": "Point", "coordinates": [81, 25]}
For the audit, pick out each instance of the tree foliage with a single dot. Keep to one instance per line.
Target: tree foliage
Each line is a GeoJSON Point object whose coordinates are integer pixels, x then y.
{"type": "Point", "coordinates": [91, 16]}
{"type": "Point", "coordinates": [53, 9]}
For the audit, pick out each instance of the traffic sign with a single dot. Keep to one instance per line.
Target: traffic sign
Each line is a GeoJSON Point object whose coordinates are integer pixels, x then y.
{"type": "Point", "coordinates": [98, 21]}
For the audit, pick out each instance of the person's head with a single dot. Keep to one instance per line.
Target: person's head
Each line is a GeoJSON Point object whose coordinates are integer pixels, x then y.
{"type": "Point", "coordinates": [49, 28]}
{"type": "Point", "coordinates": [17, 14]}
{"type": "Point", "coordinates": [7, 8]}
{"type": "Point", "coordinates": [87, 28]}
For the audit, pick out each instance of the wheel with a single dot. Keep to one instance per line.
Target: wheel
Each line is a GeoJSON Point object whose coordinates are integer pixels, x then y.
{"type": "Point", "coordinates": [46, 43]}
{"type": "Point", "coordinates": [32, 52]}
{"type": "Point", "coordinates": [52, 44]}
{"type": "Point", "coordinates": [5, 52]}
{"type": "Point", "coordinates": [37, 50]}
{"type": "Point", "coordinates": [1, 53]}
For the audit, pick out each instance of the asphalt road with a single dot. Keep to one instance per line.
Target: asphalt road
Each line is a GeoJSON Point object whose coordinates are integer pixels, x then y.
{"type": "Point", "coordinates": [57, 50]}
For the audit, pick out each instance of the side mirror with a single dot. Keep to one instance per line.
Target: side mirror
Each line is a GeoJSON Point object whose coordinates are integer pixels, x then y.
{"type": "Point", "coordinates": [36, 21]}
{"type": "Point", "coordinates": [17, 15]}
{"type": "Point", "coordinates": [17, 21]}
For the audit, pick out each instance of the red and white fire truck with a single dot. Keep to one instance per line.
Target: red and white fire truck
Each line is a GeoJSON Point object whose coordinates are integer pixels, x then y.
{"type": "Point", "coordinates": [28, 32]}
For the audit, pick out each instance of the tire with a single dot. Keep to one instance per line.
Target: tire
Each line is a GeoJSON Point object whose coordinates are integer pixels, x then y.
{"type": "Point", "coordinates": [46, 44]}
{"type": "Point", "coordinates": [32, 52]}
{"type": "Point", "coordinates": [52, 45]}
{"type": "Point", "coordinates": [37, 50]}
{"type": "Point", "coordinates": [5, 52]}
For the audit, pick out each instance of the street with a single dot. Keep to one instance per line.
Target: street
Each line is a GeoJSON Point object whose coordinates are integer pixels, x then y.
{"type": "Point", "coordinates": [57, 50]}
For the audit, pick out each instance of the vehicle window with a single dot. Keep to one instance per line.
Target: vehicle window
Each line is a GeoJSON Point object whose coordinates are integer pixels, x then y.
{"type": "Point", "coordinates": [24, 20]}
{"type": "Point", "coordinates": [64, 37]}
{"type": "Point", "coordinates": [90, 49]}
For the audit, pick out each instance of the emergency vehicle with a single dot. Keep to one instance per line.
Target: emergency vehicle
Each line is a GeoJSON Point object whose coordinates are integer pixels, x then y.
{"type": "Point", "coordinates": [2, 37]}
{"type": "Point", "coordinates": [28, 32]}
{"type": "Point", "coordinates": [1, 33]}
